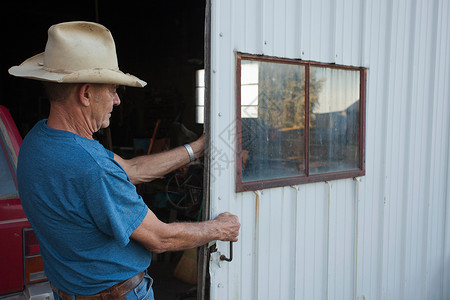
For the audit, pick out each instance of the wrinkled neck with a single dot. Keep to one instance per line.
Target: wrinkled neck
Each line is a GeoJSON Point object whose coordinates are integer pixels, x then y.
{"type": "Point", "coordinates": [72, 118]}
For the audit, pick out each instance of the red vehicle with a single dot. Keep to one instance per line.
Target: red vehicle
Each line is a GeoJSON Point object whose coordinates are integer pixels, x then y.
{"type": "Point", "coordinates": [20, 262]}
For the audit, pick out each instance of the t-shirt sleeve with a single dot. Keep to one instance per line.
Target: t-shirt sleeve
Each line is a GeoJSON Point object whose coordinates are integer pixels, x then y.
{"type": "Point", "coordinates": [115, 207]}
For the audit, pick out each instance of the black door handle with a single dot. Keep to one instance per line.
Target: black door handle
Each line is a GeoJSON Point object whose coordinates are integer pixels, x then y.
{"type": "Point", "coordinates": [223, 257]}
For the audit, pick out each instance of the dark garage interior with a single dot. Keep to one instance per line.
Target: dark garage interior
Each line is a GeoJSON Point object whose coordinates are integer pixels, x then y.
{"type": "Point", "coordinates": [162, 43]}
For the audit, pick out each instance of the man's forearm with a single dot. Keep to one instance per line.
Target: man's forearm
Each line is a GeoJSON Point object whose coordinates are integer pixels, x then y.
{"type": "Point", "coordinates": [182, 236]}
{"type": "Point", "coordinates": [159, 237]}
{"type": "Point", "coordinates": [150, 167]}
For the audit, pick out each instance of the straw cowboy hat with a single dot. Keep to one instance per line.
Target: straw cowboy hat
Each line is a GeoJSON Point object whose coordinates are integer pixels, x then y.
{"type": "Point", "coordinates": [77, 52]}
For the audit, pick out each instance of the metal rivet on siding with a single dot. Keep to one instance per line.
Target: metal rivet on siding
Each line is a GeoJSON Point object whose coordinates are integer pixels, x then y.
{"type": "Point", "coordinates": [221, 34]}
{"type": "Point", "coordinates": [219, 114]}
{"type": "Point", "coordinates": [303, 52]}
{"type": "Point", "coordinates": [218, 198]}
{"type": "Point", "coordinates": [214, 71]}
{"type": "Point", "coordinates": [265, 42]}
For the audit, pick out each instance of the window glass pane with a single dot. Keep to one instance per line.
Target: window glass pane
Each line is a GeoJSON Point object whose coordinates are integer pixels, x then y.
{"type": "Point", "coordinates": [7, 186]}
{"type": "Point", "coordinates": [334, 120]}
{"type": "Point", "coordinates": [200, 96]}
{"type": "Point", "coordinates": [273, 115]}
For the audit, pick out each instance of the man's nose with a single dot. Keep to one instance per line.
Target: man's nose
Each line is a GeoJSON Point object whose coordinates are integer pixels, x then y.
{"type": "Point", "coordinates": [116, 100]}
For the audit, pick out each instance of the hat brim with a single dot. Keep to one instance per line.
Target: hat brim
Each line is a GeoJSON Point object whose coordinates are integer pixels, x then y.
{"type": "Point", "coordinates": [32, 68]}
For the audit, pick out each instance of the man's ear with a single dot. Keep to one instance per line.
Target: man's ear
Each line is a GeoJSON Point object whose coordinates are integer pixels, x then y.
{"type": "Point", "coordinates": [85, 94]}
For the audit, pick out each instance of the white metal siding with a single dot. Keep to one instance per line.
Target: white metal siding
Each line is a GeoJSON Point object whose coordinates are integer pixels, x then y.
{"type": "Point", "coordinates": [386, 237]}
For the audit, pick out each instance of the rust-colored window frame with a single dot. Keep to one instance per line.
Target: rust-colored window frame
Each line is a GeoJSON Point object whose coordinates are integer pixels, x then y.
{"type": "Point", "coordinates": [307, 178]}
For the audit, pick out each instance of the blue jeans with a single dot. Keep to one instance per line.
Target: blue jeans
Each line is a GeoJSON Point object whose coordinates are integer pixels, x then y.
{"type": "Point", "coordinates": [143, 291]}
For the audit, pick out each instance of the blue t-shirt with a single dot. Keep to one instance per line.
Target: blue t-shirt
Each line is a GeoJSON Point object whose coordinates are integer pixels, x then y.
{"type": "Point", "coordinates": [83, 209]}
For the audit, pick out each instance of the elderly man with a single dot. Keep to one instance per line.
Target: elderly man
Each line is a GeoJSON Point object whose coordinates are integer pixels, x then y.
{"type": "Point", "coordinates": [95, 232]}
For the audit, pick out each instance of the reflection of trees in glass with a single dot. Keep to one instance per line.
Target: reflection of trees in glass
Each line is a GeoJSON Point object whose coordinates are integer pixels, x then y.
{"type": "Point", "coordinates": [282, 95]}
{"type": "Point", "coordinates": [274, 143]}
{"type": "Point", "coordinates": [315, 86]}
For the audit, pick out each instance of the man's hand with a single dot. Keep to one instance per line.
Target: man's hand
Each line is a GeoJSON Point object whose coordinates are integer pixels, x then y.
{"type": "Point", "coordinates": [228, 226]}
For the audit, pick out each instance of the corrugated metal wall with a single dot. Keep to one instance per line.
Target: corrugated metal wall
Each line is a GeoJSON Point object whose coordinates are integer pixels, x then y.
{"type": "Point", "coordinates": [386, 236]}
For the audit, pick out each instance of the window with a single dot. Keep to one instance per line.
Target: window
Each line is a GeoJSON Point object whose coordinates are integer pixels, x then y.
{"type": "Point", "coordinates": [200, 96]}
{"type": "Point", "coordinates": [297, 122]}
{"type": "Point", "coordinates": [8, 187]}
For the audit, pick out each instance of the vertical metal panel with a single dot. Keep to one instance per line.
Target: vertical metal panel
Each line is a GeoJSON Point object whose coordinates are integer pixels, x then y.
{"type": "Point", "coordinates": [435, 193]}
{"type": "Point", "coordinates": [222, 70]}
{"type": "Point", "coordinates": [293, 29]}
{"type": "Point", "coordinates": [372, 195]}
{"type": "Point", "coordinates": [386, 237]}
{"type": "Point", "coordinates": [444, 93]}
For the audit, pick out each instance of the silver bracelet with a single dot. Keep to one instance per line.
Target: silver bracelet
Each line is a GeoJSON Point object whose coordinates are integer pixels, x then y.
{"type": "Point", "coordinates": [190, 152]}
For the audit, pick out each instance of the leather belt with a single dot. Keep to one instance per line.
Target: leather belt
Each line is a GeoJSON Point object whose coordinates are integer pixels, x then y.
{"type": "Point", "coordinates": [117, 291]}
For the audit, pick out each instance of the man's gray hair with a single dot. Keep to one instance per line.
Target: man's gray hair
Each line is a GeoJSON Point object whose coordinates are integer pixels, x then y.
{"type": "Point", "coordinates": [59, 92]}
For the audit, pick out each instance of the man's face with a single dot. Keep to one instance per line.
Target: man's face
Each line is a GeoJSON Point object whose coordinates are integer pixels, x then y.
{"type": "Point", "coordinates": [105, 99]}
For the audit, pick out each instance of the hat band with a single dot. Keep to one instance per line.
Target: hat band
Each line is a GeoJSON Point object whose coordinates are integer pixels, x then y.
{"type": "Point", "coordinates": [61, 71]}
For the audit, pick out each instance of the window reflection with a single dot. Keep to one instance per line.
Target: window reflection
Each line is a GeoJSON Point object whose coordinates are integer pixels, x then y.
{"type": "Point", "coordinates": [334, 121]}
{"type": "Point", "coordinates": [200, 96]}
{"type": "Point", "coordinates": [8, 187]}
{"type": "Point", "coordinates": [300, 122]}
{"type": "Point", "coordinates": [273, 118]}
{"type": "Point", "coordinates": [249, 90]}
